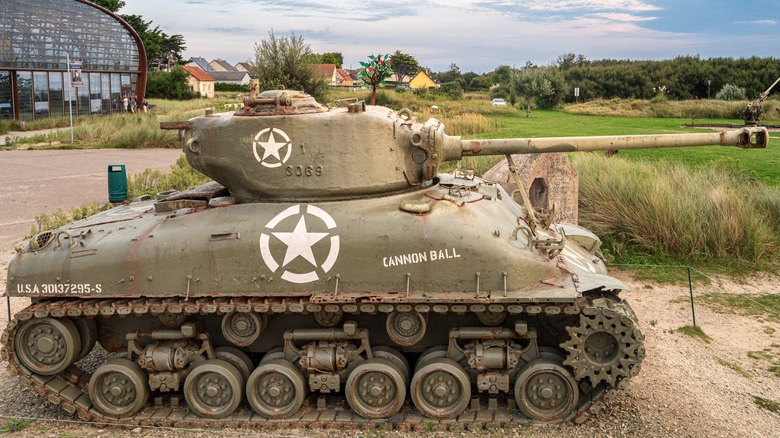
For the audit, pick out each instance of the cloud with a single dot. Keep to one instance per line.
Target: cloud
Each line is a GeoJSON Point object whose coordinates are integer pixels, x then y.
{"type": "Point", "coordinates": [614, 16]}
{"type": "Point", "coordinates": [767, 22]}
{"type": "Point", "coordinates": [569, 5]}
{"type": "Point", "coordinates": [229, 29]}
{"type": "Point", "coordinates": [357, 11]}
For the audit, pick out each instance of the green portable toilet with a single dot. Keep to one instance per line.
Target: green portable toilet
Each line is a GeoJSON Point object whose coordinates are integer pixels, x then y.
{"type": "Point", "coordinates": [117, 183]}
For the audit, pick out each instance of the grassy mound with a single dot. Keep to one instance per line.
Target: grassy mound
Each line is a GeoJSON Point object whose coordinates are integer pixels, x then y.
{"type": "Point", "coordinates": [666, 210]}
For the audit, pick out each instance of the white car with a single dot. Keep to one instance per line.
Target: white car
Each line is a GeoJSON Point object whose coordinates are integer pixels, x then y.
{"type": "Point", "coordinates": [498, 102]}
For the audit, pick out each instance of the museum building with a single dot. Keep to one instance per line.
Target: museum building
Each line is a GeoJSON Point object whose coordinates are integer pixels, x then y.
{"type": "Point", "coordinates": [36, 37]}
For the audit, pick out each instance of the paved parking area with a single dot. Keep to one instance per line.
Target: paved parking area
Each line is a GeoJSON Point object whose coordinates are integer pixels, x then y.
{"type": "Point", "coordinates": [41, 181]}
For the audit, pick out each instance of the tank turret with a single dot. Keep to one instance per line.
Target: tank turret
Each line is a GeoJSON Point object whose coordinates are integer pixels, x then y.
{"type": "Point", "coordinates": [283, 145]}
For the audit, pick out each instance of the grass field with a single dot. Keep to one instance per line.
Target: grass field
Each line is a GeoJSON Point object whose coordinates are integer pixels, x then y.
{"type": "Point", "coordinates": [763, 163]}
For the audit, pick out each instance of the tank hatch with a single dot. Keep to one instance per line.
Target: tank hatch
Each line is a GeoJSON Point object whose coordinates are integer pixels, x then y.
{"type": "Point", "coordinates": [280, 102]}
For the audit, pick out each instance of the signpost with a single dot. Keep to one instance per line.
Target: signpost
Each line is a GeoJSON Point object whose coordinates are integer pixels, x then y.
{"type": "Point", "coordinates": [74, 80]}
{"type": "Point", "coordinates": [577, 95]}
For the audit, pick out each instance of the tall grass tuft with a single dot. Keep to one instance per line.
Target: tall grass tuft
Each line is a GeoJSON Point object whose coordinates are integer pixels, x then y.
{"type": "Point", "coordinates": [680, 109]}
{"type": "Point", "coordinates": [668, 209]}
{"type": "Point", "coordinates": [459, 123]}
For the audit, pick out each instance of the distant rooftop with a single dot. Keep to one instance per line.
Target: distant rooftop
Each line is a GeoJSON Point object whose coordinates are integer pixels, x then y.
{"type": "Point", "coordinates": [202, 63]}
{"type": "Point", "coordinates": [197, 73]}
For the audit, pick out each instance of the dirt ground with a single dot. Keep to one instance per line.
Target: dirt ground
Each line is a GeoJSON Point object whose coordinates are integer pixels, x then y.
{"type": "Point", "coordinates": [685, 388]}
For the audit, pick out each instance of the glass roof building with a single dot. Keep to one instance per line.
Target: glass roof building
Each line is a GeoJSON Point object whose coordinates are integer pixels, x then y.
{"type": "Point", "coordinates": [36, 38]}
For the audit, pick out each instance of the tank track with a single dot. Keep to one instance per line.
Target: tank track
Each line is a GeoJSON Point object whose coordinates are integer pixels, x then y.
{"type": "Point", "coordinates": [69, 388]}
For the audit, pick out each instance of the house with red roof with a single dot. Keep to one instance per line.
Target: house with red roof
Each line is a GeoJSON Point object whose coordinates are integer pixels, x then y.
{"type": "Point", "coordinates": [199, 81]}
{"type": "Point", "coordinates": [344, 79]}
{"type": "Point", "coordinates": [328, 71]}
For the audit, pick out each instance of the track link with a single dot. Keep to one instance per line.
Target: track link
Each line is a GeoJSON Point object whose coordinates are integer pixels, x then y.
{"type": "Point", "coordinates": [69, 388]}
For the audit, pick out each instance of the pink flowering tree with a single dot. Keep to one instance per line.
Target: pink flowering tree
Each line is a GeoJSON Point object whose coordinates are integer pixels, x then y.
{"type": "Point", "coordinates": [374, 72]}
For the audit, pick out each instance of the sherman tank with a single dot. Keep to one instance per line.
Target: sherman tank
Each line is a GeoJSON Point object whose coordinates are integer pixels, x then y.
{"type": "Point", "coordinates": [330, 275]}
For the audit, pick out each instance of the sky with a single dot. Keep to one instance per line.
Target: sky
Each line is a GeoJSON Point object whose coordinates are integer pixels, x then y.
{"type": "Point", "coordinates": [476, 35]}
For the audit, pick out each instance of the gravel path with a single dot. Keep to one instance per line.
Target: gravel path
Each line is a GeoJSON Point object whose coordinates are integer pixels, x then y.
{"type": "Point", "coordinates": [682, 391]}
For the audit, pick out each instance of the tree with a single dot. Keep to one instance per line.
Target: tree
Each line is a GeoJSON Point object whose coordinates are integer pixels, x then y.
{"type": "Point", "coordinates": [374, 72]}
{"type": "Point", "coordinates": [567, 61]}
{"type": "Point", "coordinates": [502, 75]}
{"type": "Point", "coordinates": [288, 61]}
{"type": "Point", "coordinates": [543, 85]}
{"type": "Point", "coordinates": [731, 92]}
{"type": "Point", "coordinates": [161, 48]}
{"type": "Point", "coordinates": [169, 84]}
{"type": "Point", "coordinates": [404, 65]}
{"type": "Point", "coordinates": [332, 58]}
{"type": "Point", "coordinates": [453, 74]}
{"type": "Point", "coordinates": [480, 83]}
{"type": "Point", "coordinates": [111, 5]}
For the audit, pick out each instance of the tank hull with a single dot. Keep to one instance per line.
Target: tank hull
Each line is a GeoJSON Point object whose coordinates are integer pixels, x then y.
{"type": "Point", "coordinates": [462, 247]}
{"type": "Point", "coordinates": [179, 286]}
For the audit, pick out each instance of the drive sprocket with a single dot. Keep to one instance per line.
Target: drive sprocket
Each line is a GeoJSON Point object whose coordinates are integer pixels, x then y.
{"type": "Point", "coordinates": [607, 344]}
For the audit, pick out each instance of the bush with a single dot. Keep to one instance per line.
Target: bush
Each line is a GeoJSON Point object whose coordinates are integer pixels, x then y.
{"type": "Point", "coordinates": [500, 92]}
{"type": "Point", "coordinates": [680, 109]}
{"type": "Point", "coordinates": [288, 61]}
{"type": "Point", "coordinates": [451, 90]}
{"type": "Point", "coordinates": [224, 86]}
{"type": "Point", "coordinates": [731, 92]}
{"type": "Point", "coordinates": [152, 182]}
{"type": "Point", "coordinates": [169, 85]}
{"type": "Point", "coordinates": [59, 218]}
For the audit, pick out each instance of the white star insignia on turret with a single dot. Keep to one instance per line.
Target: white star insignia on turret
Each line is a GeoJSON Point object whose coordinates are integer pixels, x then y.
{"type": "Point", "coordinates": [272, 147]}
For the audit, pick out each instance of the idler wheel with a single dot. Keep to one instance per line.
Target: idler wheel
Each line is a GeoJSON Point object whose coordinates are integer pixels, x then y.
{"type": "Point", "coordinates": [237, 358]}
{"type": "Point", "coordinates": [406, 328]}
{"type": "Point", "coordinates": [276, 389]}
{"type": "Point", "coordinates": [376, 389]}
{"type": "Point", "coordinates": [214, 389]}
{"type": "Point", "coordinates": [119, 388]}
{"type": "Point", "coordinates": [441, 389]}
{"type": "Point", "coordinates": [48, 345]}
{"type": "Point", "coordinates": [394, 356]}
{"type": "Point", "coordinates": [243, 328]}
{"type": "Point", "coordinates": [546, 391]}
{"type": "Point", "coordinates": [605, 346]}
{"type": "Point", "coordinates": [87, 334]}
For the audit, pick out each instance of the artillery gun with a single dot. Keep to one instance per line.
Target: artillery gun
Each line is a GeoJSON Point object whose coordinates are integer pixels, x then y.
{"type": "Point", "coordinates": [752, 113]}
{"type": "Point", "coordinates": [329, 261]}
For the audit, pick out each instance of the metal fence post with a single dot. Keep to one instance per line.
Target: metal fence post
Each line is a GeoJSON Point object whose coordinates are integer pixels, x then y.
{"type": "Point", "coordinates": [690, 289]}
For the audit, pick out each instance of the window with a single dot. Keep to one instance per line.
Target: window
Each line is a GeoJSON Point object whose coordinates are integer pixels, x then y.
{"type": "Point", "coordinates": [94, 94]}
{"type": "Point", "coordinates": [105, 92]}
{"type": "Point", "coordinates": [116, 93]}
{"type": "Point", "coordinates": [41, 93]}
{"type": "Point", "coordinates": [25, 94]}
{"type": "Point", "coordinates": [84, 96]}
{"type": "Point", "coordinates": [56, 98]}
{"type": "Point", "coordinates": [6, 96]}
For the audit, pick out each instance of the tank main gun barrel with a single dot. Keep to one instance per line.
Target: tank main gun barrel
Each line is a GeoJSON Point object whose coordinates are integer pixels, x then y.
{"type": "Point", "coordinates": [745, 138]}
